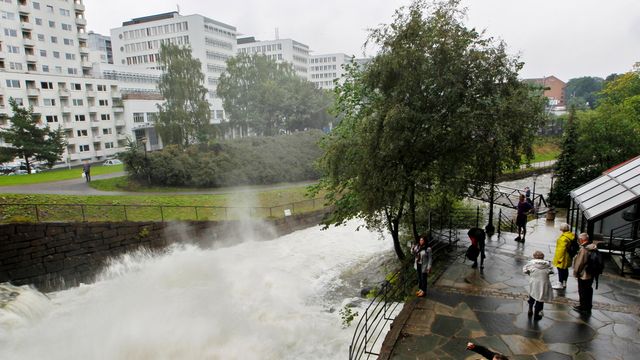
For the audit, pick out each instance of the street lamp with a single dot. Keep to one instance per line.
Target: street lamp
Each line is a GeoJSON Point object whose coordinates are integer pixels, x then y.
{"type": "Point", "coordinates": [533, 197]}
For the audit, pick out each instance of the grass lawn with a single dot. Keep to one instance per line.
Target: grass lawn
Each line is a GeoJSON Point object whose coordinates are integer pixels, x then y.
{"type": "Point", "coordinates": [122, 183]}
{"type": "Point", "coordinates": [257, 204]}
{"type": "Point", "coordinates": [545, 151]}
{"type": "Point", "coordinates": [57, 175]}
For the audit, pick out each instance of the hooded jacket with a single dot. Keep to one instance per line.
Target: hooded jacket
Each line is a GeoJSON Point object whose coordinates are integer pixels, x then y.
{"type": "Point", "coordinates": [539, 283]}
{"type": "Point", "coordinates": [561, 259]}
{"type": "Point", "coordinates": [580, 262]}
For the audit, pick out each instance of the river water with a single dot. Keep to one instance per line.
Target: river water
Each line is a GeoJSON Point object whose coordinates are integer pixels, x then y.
{"type": "Point", "coordinates": [277, 299]}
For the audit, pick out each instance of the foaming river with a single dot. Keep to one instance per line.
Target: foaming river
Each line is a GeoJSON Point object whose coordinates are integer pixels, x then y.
{"type": "Point", "coordinates": [276, 299]}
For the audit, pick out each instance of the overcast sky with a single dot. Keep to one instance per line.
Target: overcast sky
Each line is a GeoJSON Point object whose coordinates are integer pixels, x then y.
{"type": "Point", "coordinates": [565, 38]}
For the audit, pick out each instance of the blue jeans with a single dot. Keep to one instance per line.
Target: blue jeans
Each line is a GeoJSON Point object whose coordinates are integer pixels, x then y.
{"type": "Point", "coordinates": [422, 278]}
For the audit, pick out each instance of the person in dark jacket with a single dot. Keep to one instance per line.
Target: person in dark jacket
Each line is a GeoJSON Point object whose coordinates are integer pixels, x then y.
{"type": "Point", "coordinates": [488, 354]}
{"type": "Point", "coordinates": [477, 237]}
{"type": "Point", "coordinates": [422, 264]}
{"type": "Point", "coordinates": [585, 280]}
{"type": "Point", "coordinates": [524, 208]}
{"type": "Point", "coordinates": [86, 168]}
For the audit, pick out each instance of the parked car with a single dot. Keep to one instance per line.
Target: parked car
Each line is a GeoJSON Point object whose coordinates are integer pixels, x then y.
{"type": "Point", "coordinates": [112, 162]}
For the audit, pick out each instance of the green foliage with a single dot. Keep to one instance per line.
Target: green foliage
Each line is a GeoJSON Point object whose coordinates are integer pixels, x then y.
{"type": "Point", "coordinates": [183, 118]}
{"type": "Point", "coordinates": [30, 140]}
{"type": "Point", "coordinates": [57, 175]}
{"type": "Point", "coordinates": [263, 160]}
{"type": "Point", "coordinates": [566, 167]}
{"type": "Point", "coordinates": [439, 102]}
{"type": "Point", "coordinates": [347, 315]}
{"type": "Point", "coordinates": [582, 92]}
{"type": "Point", "coordinates": [267, 98]}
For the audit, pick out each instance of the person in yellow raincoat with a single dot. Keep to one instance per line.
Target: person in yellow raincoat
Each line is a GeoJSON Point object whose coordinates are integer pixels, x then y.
{"type": "Point", "coordinates": [562, 259]}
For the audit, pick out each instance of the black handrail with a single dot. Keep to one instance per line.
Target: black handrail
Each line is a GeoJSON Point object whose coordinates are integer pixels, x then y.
{"type": "Point", "coordinates": [626, 234]}
{"type": "Point", "coordinates": [382, 308]}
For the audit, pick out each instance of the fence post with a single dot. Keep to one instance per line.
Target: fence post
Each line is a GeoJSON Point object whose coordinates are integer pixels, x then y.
{"type": "Point", "coordinates": [161, 213]}
{"type": "Point", "coordinates": [124, 208]}
{"type": "Point", "coordinates": [478, 216]}
{"type": "Point", "coordinates": [83, 216]}
{"type": "Point", "coordinates": [293, 208]}
{"type": "Point", "coordinates": [37, 214]}
{"type": "Point", "coordinates": [195, 207]}
{"type": "Point", "coordinates": [499, 221]}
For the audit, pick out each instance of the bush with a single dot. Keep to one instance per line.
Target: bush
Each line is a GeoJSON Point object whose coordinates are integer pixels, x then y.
{"type": "Point", "coordinates": [247, 161]}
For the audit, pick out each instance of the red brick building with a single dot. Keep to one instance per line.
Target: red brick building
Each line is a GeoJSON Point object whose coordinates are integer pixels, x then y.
{"type": "Point", "coordinates": [554, 89]}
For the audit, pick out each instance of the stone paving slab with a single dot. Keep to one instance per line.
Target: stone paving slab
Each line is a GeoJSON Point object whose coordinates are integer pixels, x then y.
{"type": "Point", "coordinates": [489, 307]}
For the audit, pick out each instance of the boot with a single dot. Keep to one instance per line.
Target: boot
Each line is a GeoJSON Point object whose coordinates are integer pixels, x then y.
{"type": "Point", "coordinates": [564, 284]}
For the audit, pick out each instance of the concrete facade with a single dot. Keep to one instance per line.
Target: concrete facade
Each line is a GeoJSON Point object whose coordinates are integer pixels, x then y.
{"type": "Point", "coordinates": [325, 68]}
{"type": "Point", "coordinates": [281, 50]}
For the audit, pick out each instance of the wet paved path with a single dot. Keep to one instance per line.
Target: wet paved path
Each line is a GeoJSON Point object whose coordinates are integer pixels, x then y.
{"type": "Point", "coordinates": [489, 308]}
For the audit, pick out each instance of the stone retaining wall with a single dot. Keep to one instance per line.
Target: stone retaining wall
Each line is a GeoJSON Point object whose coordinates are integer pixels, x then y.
{"type": "Point", "coordinates": [54, 256]}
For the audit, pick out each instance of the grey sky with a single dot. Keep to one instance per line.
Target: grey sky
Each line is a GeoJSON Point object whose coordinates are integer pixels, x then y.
{"type": "Point", "coordinates": [565, 38]}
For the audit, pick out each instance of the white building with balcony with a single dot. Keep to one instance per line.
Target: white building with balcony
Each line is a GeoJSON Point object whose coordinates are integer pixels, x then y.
{"type": "Point", "coordinates": [281, 50]}
{"type": "Point", "coordinates": [44, 63]}
{"type": "Point", "coordinates": [137, 45]}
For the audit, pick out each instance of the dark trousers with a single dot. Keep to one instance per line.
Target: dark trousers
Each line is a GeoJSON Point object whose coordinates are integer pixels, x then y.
{"type": "Point", "coordinates": [87, 176]}
{"type": "Point", "coordinates": [586, 293]}
{"type": "Point", "coordinates": [563, 274]}
{"type": "Point", "coordinates": [422, 279]}
{"type": "Point", "coordinates": [538, 305]}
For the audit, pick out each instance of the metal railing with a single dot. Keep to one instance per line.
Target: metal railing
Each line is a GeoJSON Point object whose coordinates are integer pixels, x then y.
{"type": "Point", "coordinates": [505, 222]}
{"type": "Point", "coordinates": [625, 239]}
{"type": "Point", "coordinates": [43, 212]}
{"type": "Point", "coordinates": [383, 307]}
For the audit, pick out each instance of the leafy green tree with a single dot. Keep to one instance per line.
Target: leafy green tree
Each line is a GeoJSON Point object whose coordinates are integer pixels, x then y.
{"type": "Point", "coordinates": [183, 118]}
{"type": "Point", "coordinates": [566, 168]}
{"type": "Point", "coordinates": [414, 118]}
{"type": "Point", "coordinates": [30, 140]}
{"type": "Point", "coordinates": [583, 92]}
{"type": "Point", "coordinates": [268, 97]}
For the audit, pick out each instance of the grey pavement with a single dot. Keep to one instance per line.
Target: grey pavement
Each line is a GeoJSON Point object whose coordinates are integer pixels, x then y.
{"type": "Point", "coordinates": [80, 187]}
{"type": "Point", "coordinates": [489, 307]}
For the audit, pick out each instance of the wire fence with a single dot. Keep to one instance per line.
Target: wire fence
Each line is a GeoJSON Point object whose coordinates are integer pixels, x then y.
{"type": "Point", "coordinates": [41, 212]}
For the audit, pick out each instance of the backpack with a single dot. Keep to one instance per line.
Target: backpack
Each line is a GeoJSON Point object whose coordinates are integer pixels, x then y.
{"type": "Point", "coordinates": [595, 264]}
{"type": "Point", "coordinates": [573, 248]}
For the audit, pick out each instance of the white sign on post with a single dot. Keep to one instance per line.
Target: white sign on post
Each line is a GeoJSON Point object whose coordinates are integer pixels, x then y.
{"type": "Point", "coordinates": [287, 212]}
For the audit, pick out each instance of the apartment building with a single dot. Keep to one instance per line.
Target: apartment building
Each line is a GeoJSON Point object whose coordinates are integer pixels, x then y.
{"type": "Point", "coordinates": [44, 63]}
{"type": "Point", "coordinates": [100, 49]}
{"type": "Point", "coordinates": [281, 50]}
{"type": "Point", "coordinates": [325, 68]}
{"type": "Point", "coordinates": [137, 45]}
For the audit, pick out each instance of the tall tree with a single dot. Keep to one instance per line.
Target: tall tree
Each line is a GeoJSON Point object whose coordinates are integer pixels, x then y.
{"type": "Point", "coordinates": [566, 167]}
{"type": "Point", "coordinates": [409, 117]}
{"type": "Point", "coordinates": [30, 140]}
{"type": "Point", "coordinates": [183, 118]}
{"type": "Point", "coordinates": [268, 97]}
{"type": "Point", "coordinates": [583, 92]}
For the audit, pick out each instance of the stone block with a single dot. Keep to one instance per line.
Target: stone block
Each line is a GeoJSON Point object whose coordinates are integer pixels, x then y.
{"type": "Point", "coordinates": [128, 230]}
{"type": "Point", "coordinates": [30, 271]}
{"type": "Point", "coordinates": [55, 230]}
{"type": "Point", "coordinates": [7, 229]}
{"type": "Point", "coordinates": [109, 233]}
{"type": "Point", "coordinates": [54, 266]}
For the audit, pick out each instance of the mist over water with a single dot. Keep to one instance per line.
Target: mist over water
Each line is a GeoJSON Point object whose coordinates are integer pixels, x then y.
{"type": "Point", "coordinates": [254, 300]}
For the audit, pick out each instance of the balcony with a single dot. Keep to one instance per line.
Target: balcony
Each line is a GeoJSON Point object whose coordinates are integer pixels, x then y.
{"type": "Point", "coordinates": [116, 94]}
{"type": "Point", "coordinates": [118, 108]}
{"type": "Point", "coordinates": [81, 21]}
{"type": "Point", "coordinates": [121, 136]}
{"type": "Point", "coordinates": [31, 58]}
{"type": "Point", "coordinates": [63, 93]}
{"type": "Point", "coordinates": [79, 6]}
{"type": "Point", "coordinates": [87, 64]}
{"type": "Point", "coordinates": [65, 109]}
{"type": "Point", "coordinates": [31, 92]}
{"type": "Point", "coordinates": [24, 9]}
{"type": "Point", "coordinates": [93, 109]}
{"type": "Point", "coordinates": [26, 26]}
{"type": "Point", "coordinates": [28, 42]}
{"type": "Point", "coordinates": [83, 36]}
{"type": "Point", "coordinates": [91, 94]}
{"type": "Point", "coordinates": [83, 49]}
{"type": "Point", "coordinates": [120, 123]}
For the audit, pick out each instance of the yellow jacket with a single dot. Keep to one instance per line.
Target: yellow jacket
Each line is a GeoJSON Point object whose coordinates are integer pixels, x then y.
{"type": "Point", "coordinates": [561, 259]}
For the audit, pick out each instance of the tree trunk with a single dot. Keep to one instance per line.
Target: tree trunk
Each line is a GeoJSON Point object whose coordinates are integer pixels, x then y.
{"type": "Point", "coordinates": [28, 164]}
{"type": "Point", "coordinates": [396, 240]}
{"type": "Point", "coordinates": [412, 208]}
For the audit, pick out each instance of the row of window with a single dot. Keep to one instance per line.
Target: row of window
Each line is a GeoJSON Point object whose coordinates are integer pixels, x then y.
{"type": "Point", "coordinates": [79, 118]}
{"type": "Point", "coordinates": [130, 77]}
{"type": "Point", "coordinates": [154, 44]}
{"type": "Point", "coordinates": [324, 76]}
{"type": "Point", "coordinates": [218, 31]}
{"type": "Point", "coordinates": [262, 49]}
{"type": "Point", "coordinates": [212, 55]}
{"type": "Point", "coordinates": [218, 43]}
{"type": "Point", "coordinates": [323, 67]}
{"type": "Point", "coordinates": [325, 59]}
{"type": "Point", "coordinates": [215, 68]}
{"type": "Point", "coordinates": [300, 59]}
{"type": "Point", "coordinates": [301, 50]}
{"type": "Point", "coordinates": [86, 148]}
{"type": "Point", "coordinates": [155, 30]}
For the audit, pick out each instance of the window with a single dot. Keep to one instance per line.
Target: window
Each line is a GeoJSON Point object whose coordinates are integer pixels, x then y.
{"type": "Point", "coordinates": [102, 87]}
{"type": "Point", "coordinates": [219, 114]}
{"type": "Point", "coordinates": [13, 83]}
{"type": "Point", "coordinates": [7, 15]}
{"type": "Point", "coordinates": [49, 102]}
{"type": "Point", "coordinates": [52, 24]}
{"type": "Point", "coordinates": [72, 71]}
{"type": "Point", "coordinates": [80, 118]}
{"type": "Point", "coordinates": [67, 41]}
{"type": "Point", "coordinates": [76, 86]}
{"type": "Point", "coordinates": [84, 148]}
{"type": "Point", "coordinates": [19, 101]}
{"type": "Point", "coordinates": [54, 39]}
{"type": "Point", "coordinates": [13, 49]}
{"type": "Point", "coordinates": [138, 117]}
{"type": "Point", "coordinates": [10, 32]}
{"type": "Point", "coordinates": [43, 53]}
{"type": "Point", "coordinates": [152, 117]}
{"type": "Point", "coordinates": [15, 65]}
{"type": "Point", "coordinates": [105, 117]}
{"type": "Point", "coordinates": [46, 85]}
{"type": "Point", "coordinates": [45, 68]}
{"type": "Point", "coordinates": [58, 69]}
{"type": "Point", "coordinates": [69, 56]}
{"type": "Point", "coordinates": [51, 118]}
{"type": "Point", "coordinates": [56, 54]}
{"type": "Point", "coordinates": [36, 5]}
{"type": "Point", "coordinates": [64, 12]}
{"type": "Point", "coordinates": [40, 37]}
{"type": "Point", "coordinates": [38, 21]}
{"type": "Point", "coordinates": [77, 102]}
{"type": "Point", "coordinates": [81, 133]}
{"type": "Point", "coordinates": [108, 145]}
{"type": "Point", "coordinates": [107, 131]}
{"type": "Point", "coordinates": [103, 102]}
{"type": "Point", "coordinates": [49, 8]}
{"type": "Point", "coordinates": [67, 27]}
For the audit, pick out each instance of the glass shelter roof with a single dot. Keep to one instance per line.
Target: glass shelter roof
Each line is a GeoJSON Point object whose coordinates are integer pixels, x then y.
{"type": "Point", "coordinates": [616, 188]}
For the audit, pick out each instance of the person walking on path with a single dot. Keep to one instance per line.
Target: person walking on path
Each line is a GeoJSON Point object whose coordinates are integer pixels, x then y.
{"type": "Point", "coordinates": [524, 208]}
{"type": "Point", "coordinates": [86, 169]}
{"type": "Point", "coordinates": [477, 237]}
{"type": "Point", "coordinates": [422, 264]}
{"type": "Point", "coordinates": [488, 354]}
{"type": "Point", "coordinates": [585, 280]}
{"type": "Point", "coordinates": [561, 258]}
{"type": "Point", "coordinates": [540, 290]}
